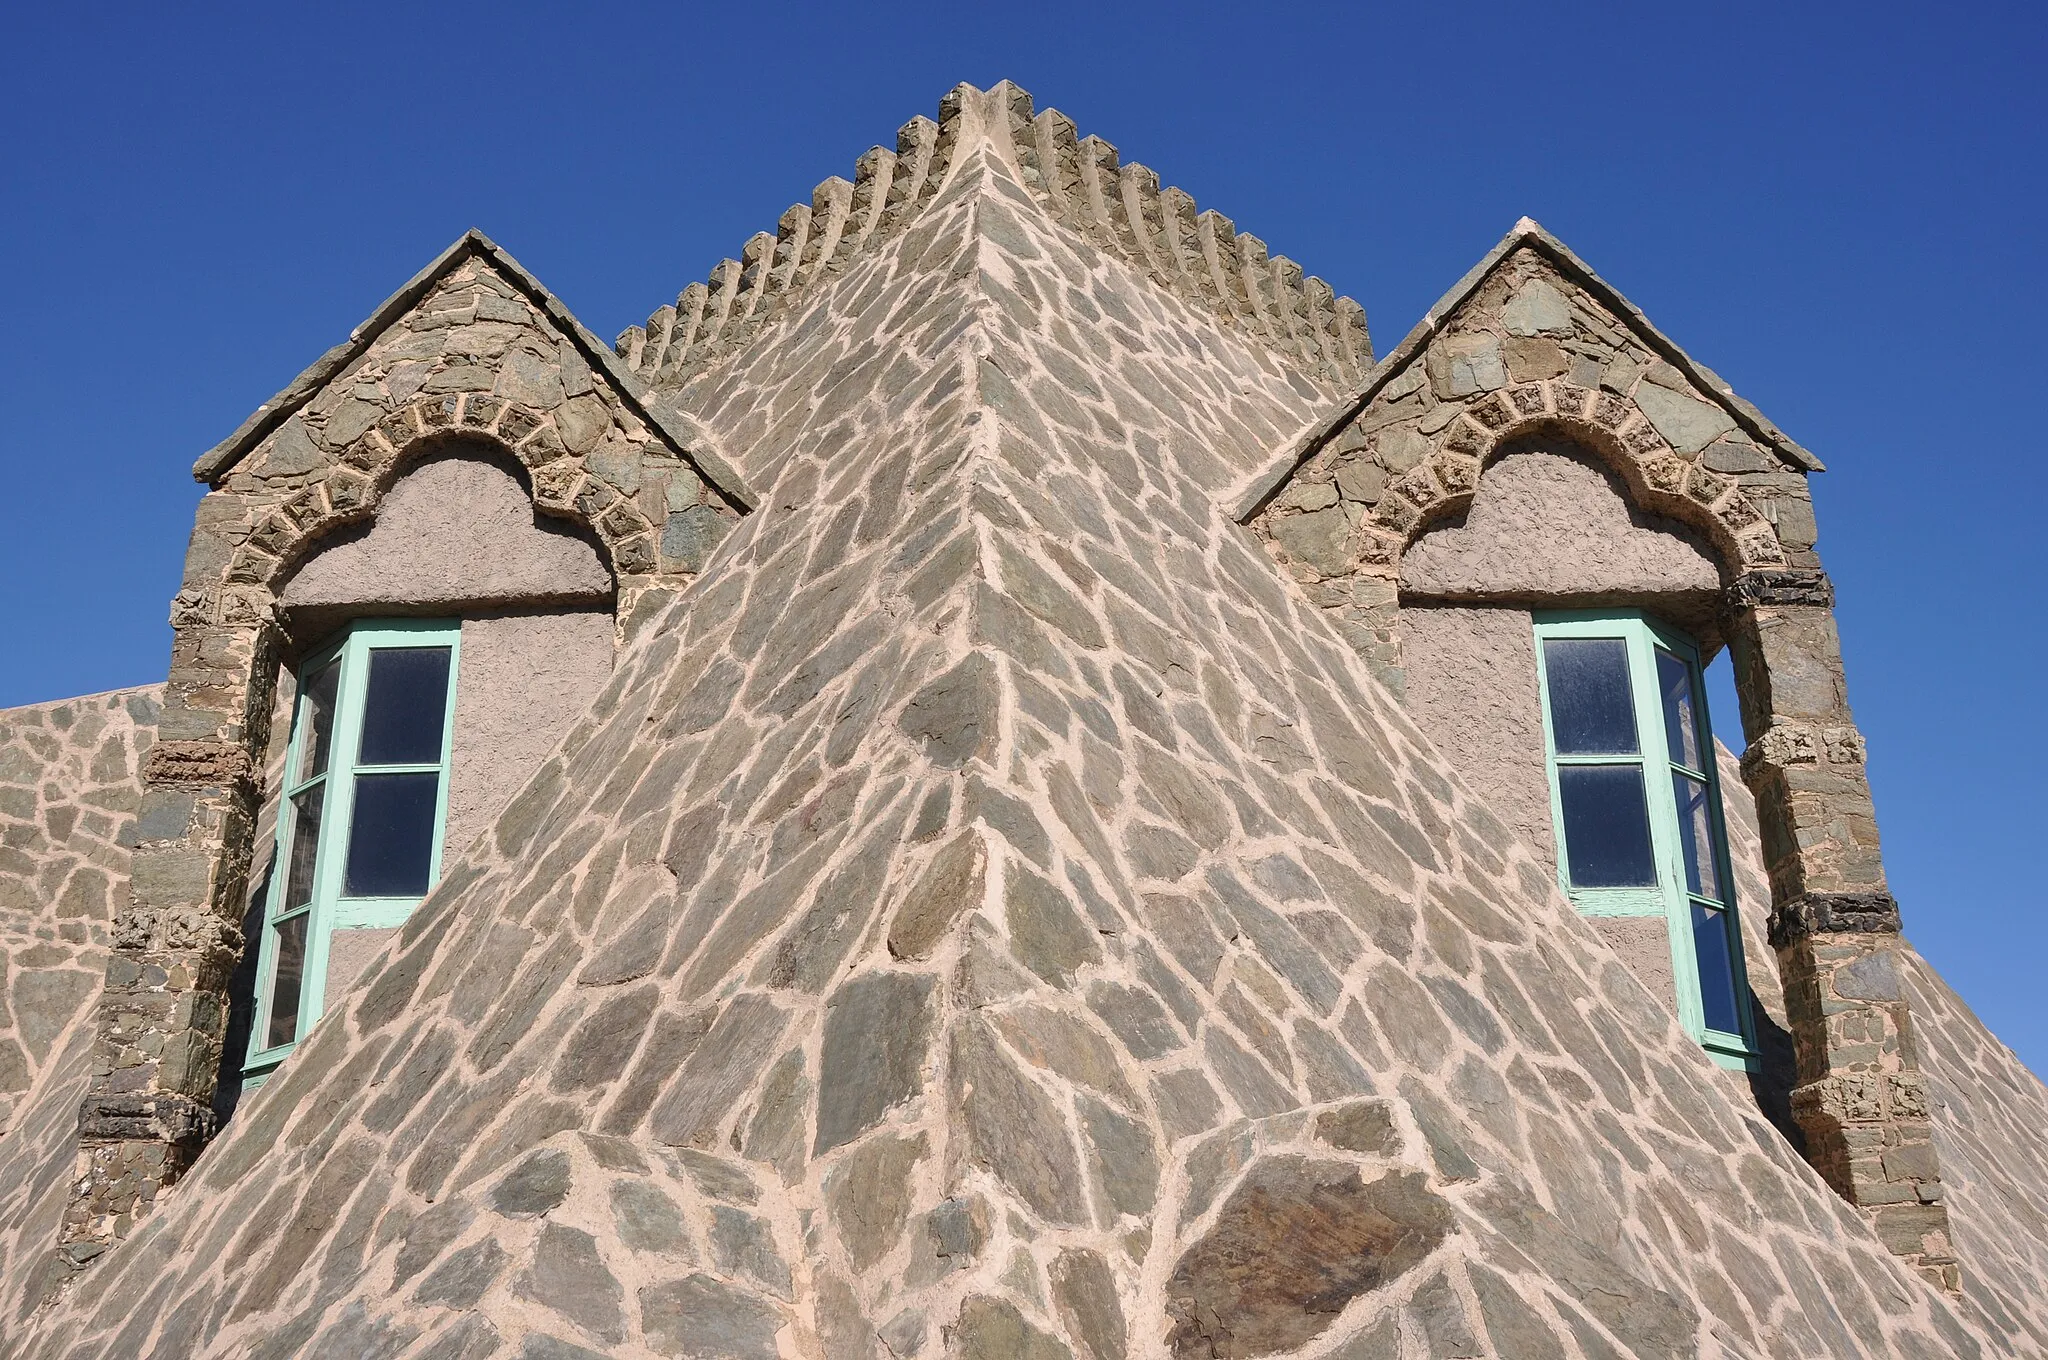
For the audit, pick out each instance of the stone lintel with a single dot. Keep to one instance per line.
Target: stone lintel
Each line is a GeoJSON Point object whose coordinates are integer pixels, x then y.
{"type": "Point", "coordinates": [154, 1116]}
{"type": "Point", "coordinates": [214, 764]}
{"type": "Point", "coordinates": [1810, 914]}
{"type": "Point", "coordinates": [1792, 587]}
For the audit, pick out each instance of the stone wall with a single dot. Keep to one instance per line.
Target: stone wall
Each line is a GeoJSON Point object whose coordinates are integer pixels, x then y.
{"type": "Point", "coordinates": [989, 912]}
{"type": "Point", "coordinates": [1990, 1120]}
{"type": "Point", "coordinates": [68, 800]}
{"type": "Point", "coordinates": [1988, 1112]}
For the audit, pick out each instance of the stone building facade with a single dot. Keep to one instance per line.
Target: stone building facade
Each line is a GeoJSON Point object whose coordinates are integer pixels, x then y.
{"type": "Point", "coordinates": [993, 783]}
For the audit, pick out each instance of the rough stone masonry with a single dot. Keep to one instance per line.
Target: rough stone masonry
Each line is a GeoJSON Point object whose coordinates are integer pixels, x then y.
{"type": "Point", "coordinates": [1000, 904]}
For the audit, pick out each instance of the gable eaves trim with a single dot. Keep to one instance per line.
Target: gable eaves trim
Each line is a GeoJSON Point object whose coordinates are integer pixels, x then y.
{"type": "Point", "coordinates": [686, 436]}
{"type": "Point", "coordinates": [1252, 495]}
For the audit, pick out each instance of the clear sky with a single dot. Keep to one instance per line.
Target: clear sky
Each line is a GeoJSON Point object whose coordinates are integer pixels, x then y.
{"type": "Point", "coordinates": [1838, 207]}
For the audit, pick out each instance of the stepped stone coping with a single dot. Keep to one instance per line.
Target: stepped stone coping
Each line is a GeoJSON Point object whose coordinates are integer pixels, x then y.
{"type": "Point", "coordinates": [1199, 256]}
{"type": "Point", "coordinates": [678, 428]}
{"type": "Point", "coordinates": [1249, 497]}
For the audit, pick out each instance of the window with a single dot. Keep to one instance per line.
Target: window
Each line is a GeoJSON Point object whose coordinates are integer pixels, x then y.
{"type": "Point", "coordinates": [360, 814]}
{"type": "Point", "coordinates": [1636, 804]}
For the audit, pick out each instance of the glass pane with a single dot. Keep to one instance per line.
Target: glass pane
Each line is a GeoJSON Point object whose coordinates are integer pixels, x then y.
{"type": "Point", "coordinates": [391, 835]}
{"type": "Point", "coordinates": [1606, 826]}
{"type": "Point", "coordinates": [1718, 1005]}
{"type": "Point", "coordinates": [1681, 712]}
{"type": "Point", "coordinates": [298, 883]}
{"type": "Point", "coordinates": [1591, 711]}
{"type": "Point", "coordinates": [404, 708]}
{"type": "Point", "coordinates": [316, 721]}
{"type": "Point", "coordinates": [285, 980]}
{"type": "Point", "coordinates": [1696, 834]}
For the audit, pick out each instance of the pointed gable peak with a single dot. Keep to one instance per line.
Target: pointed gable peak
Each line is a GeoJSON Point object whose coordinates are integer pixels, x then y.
{"type": "Point", "coordinates": [1528, 234]}
{"type": "Point", "coordinates": [1121, 209]}
{"type": "Point", "coordinates": [1499, 282]}
{"type": "Point", "coordinates": [682, 433]}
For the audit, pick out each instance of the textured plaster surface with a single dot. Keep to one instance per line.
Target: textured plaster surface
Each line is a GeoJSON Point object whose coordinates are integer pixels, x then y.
{"type": "Point", "coordinates": [455, 529]}
{"type": "Point", "coordinates": [524, 680]}
{"type": "Point", "coordinates": [1643, 943]}
{"type": "Point", "coordinates": [1550, 523]}
{"type": "Point", "coordinates": [1471, 687]}
{"type": "Point", "coordinates": [348, 953]}
{"type": "Point", "coordinates": [986, 910]}
{"type": "Point", "coordinates": [68, 798]}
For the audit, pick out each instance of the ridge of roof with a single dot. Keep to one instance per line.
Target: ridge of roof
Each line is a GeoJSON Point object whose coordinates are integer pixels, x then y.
{"type": "Point", "coordinates": [1253, 493]}
{"type": "Point", "coordinates": [685, 434]}
{"type": "Point", "coordinates": [1199, 255]}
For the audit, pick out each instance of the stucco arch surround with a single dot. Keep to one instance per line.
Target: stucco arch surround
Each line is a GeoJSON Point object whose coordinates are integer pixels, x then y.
{"type": "Point", "coordinates": [350, 490]}
{"type": "Point", "coordinates": [457, 526]}
{"type": "Point", "coordinates": [1611, 426]}
{"type": "Point", "coordinates": [1550, 521]}
{"type": "Point", "coordinates": [1341, 522]}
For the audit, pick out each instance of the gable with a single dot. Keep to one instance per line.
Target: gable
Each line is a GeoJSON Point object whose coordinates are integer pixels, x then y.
{"type": "Point", "coordinates": [561, 344]}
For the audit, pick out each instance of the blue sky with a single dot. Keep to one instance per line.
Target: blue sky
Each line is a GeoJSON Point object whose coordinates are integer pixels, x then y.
{"type": "Point", "coordinates": [1837, 207]}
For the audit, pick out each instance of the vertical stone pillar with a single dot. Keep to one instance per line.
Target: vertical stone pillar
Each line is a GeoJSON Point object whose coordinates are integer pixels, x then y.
{"type": "Point", "coordinates": [162, 1014]}
{"type": "Point", "coordinates": [1860, 1098]}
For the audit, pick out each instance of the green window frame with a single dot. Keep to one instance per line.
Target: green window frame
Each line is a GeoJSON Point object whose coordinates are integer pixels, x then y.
{"type": "Point", "coordinates": [1662, 851]}
{"type": "Point", "coordinates": [352, 811]}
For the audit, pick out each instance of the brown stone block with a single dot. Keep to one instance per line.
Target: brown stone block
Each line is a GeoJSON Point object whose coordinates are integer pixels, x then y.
{"type": "Point", "coordinates": [196, 762]}
{"type": "Point", "coordinates": [1914, 1229]}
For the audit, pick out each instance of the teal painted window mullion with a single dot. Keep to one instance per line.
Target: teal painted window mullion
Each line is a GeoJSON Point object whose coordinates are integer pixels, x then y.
{"type": "Point", "coordinates": [1665, 829]}
{"type": "Point", "coordinates": [348, 722]}
{"type": "Point", "coordinates": [326, 909]}
{"type": "Point", "coordinates": [1743, 1041]}
{"type": "Point", "coordinates": [1671, 898]}
{"type": "Point", "coordinates": [278, 911]}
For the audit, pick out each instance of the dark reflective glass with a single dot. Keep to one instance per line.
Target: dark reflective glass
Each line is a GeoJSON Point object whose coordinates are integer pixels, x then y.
{"type": "Point", "coordinates": [391, 835]}
{"type": "Point", "coordinates": [316, 719]}
{"type": "Point", "coordinates": [1696, 834]}
{"type": "Point", "coordinates": [298, 882]}
{"type": "Point", "coordinates": [405, 707]}
{"type": "Point", "coordinates": [1606, 826]}
{"type": "Point", "coordinates": [1591, 710]}
{"type": "Point", "coordinates": [1718, 1005]}
{"type": "Point", "coordinates": [286, 978]}
{"type": "Point", "coordinates": [1681, 712]}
